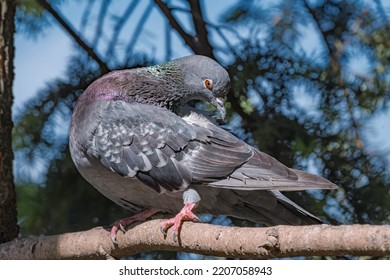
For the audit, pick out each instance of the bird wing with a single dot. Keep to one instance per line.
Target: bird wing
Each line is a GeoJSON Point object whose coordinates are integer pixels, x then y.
{"type": "Point", "coordinates": [168, 153]}
{"type": "Point", "coordinates": [143, 141]}
{"type": "Point", "coordinates": [244, 167]}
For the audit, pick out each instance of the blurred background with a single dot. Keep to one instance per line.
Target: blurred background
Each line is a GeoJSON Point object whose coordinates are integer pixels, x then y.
{"type": "Point", "coordinates": [310, 86]}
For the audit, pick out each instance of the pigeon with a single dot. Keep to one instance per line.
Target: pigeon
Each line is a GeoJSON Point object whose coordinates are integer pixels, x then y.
{"type": "Point", "coordinates": [132, 141]}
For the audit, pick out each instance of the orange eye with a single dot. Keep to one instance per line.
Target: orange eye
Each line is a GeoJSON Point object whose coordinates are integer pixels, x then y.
{"type": "Point", "coordinates": [208, 84]}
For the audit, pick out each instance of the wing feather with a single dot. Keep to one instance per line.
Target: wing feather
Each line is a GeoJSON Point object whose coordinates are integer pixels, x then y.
{"type": "Point", "coordinates": [144, 141]}
{"type": "Point", "coordinates": [168, 153]}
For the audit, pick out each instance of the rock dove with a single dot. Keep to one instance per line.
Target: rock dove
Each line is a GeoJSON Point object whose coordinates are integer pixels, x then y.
{"type": "Point", "coordinates": [129, 141]}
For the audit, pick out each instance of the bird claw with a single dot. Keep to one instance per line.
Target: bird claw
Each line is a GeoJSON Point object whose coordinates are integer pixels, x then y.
{"type": "Point", "coordinates": [174, 237]}
{"type": "Point", "coordinates": [122, 228]}
{"type": "Point", "coordinates": [113, 232]}
{"type": "Point", "coordinates": [113, 239]}
{"type": "Point", "coordinates": [163, 231]}
{"type": "Point", "coordinates": [197, 219]}
{"type": "Point", "coordinates": [121, 224]}
{"type": "Point", "coordinates": [184, 215]}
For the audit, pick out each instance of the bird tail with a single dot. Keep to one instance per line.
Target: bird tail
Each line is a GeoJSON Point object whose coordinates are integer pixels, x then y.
{"type": "Point", "coordinates": [269, 208]}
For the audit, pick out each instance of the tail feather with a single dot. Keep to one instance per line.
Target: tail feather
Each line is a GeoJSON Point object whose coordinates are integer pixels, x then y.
{"type": "Point", "coordinates": [270, 208]}
{"type": "Point", "coordinates": [266, 173]}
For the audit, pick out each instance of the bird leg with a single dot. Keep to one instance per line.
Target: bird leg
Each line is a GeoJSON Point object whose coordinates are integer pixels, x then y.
{"type": "Point", "coordinates": [123, 223]}
{"type": "Point", "coordinates": [184, 215]}
{"type": "Point", "coordinates": [191, 199]}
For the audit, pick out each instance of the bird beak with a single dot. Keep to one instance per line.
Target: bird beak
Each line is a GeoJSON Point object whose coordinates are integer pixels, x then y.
{"type": "Point", "coordinates": [218, 103]}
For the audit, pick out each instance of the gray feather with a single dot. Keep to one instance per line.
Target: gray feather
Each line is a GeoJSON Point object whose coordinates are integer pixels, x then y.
{"type": "Point", "coordinates": [126, 140]}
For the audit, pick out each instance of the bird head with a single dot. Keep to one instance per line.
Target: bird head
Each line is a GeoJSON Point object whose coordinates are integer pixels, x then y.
{"type": "Point", "coordinates": [171, 84]}
{"type": "Point", "coordinates": [203, 79]}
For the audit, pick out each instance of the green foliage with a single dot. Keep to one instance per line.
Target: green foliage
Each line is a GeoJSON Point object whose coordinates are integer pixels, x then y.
{"type": "Point", "coordinates": [30, 18]}
{"type": "Point", "coordinates": [271, 69]}
{"type": "Point", "coordinates": [30, 6]}
{"type": "Point", "coordinates": [77, 205]}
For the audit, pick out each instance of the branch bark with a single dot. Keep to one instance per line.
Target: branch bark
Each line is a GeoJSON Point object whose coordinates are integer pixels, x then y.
{"type": "Point", "coordinates": [8, 225]}
{"type": "Point", "coordinates": [200, 27]}
{"type": "Point", "coordinates": [198, 43]}
{"type": "Point", "coordinates": [231, 242]}
{"type": "Point", "coordinates": [76, 37]}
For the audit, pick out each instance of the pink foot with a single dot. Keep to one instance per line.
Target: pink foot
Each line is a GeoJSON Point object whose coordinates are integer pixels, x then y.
{"type": "Point", "coordinates": [184, 215]}
{"type": "Point", "coordinates": [123, 223]}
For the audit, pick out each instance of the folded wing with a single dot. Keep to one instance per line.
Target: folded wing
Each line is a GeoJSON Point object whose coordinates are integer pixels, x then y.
{"type": "Point", "coordinates": [169, 153]}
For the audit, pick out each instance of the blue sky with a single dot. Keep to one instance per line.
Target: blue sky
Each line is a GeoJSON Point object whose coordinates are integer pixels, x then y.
{"type": "Point", "coordinates": [40, 60]}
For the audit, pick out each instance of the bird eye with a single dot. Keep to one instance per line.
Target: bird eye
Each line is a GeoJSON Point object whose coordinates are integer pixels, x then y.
{"type": "Point", "coordinates": [208, 84]}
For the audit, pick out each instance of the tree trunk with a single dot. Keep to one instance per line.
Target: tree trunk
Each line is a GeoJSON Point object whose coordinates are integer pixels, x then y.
{"type": "Point", "coordinates": [8, 219]}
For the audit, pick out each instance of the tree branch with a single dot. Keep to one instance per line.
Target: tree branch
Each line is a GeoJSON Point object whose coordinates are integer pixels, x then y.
{"type": "Point", "coordinates": [86, 14]}
{"type": "Point", "coordinates": [100, 23]}
{"type": "Point", "coordinates": [137, 33]}
{"type": "Point", "coordinates": [120, 23]}
{"type": "Point", "coordinates": [175, 25]}
{"type": "Point", "coordinates": [191, 41]}
{"type": "Point", "coordinates": [218, 28]}
{"type": "Point", "coordinates": [68, 28]}
{"type": "Point", "coordinates": [200, 28]}
{"type": "Point", "coordinates": [232, 242]}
